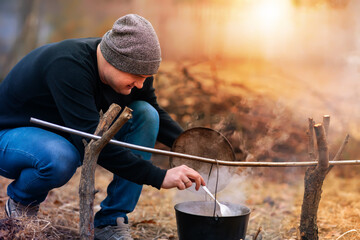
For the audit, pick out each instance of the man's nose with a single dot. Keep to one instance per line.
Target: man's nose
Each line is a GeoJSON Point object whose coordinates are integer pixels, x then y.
{"type": "Point", "coordinates": [139, 84]}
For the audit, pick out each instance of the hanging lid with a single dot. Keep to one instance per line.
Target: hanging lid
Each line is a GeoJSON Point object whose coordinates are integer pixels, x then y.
{"type": "Point", "coordinates": [208, 143]}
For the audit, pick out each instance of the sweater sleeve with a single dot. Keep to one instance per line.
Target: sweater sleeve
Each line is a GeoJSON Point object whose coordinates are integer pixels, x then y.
{"type": "Point", "coordinates": [73, 90]}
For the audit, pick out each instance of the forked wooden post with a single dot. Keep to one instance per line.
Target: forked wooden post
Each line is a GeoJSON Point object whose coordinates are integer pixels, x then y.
{"type": "Point", "coordinates": [92, 151]}
{"type": "Point", "coordinates": [315, 176]}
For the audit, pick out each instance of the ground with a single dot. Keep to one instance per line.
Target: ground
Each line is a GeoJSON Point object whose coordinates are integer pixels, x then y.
{"type": "Point", "coordinates": [275, 207]}
{"type": "Point", "coordinates": [243, 102]}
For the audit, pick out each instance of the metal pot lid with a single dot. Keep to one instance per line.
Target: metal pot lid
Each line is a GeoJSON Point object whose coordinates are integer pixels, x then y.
{"type": "Point", "coordinates": [205, 142]}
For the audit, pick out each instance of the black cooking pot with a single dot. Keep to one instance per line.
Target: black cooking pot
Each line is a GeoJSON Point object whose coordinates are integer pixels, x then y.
{"type": "Point", "coordinates": [196, 221]}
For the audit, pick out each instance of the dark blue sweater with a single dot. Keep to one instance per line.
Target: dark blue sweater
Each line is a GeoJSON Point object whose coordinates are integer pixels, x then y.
{"type": "Point", "coordinates": [59, 83]}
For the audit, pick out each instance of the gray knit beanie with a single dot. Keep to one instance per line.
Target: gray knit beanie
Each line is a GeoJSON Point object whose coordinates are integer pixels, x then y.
{"type": "Point", "coordinates": [132, 46]}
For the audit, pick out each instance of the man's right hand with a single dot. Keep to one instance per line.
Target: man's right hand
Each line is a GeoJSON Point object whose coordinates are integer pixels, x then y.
{"type": "Point", "coordinates": [182, 177]}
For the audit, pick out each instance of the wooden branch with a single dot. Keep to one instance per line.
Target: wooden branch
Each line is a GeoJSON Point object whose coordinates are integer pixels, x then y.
{"type": "Point", "coordinates": [311, 145]}
{"type": "Point", "coordinates": [92, 151]}
{"type": "Point", "coordinates": [107, 118]}
{"type": "Point", "coordinates": [108, 135]}
{"type": "Point", "coordinates": [326, 123]}
{"type": "Point", "coordinates": [342, 147]}
{"type": "Point", "coordinates": [322, 147]}
{"type": "Point", "coordinates": [257, 233]}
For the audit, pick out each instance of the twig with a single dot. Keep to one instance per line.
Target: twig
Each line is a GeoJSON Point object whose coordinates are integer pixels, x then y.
{"type": "Point", "coordinates": [47, 224]}
{"type": "Point", "coordinates": [341, 149]}
{"type": "Point", "coordinates": [326, 124]}
{"type": "Point", "coordinates": [353, 230]}
{"type": "Point", "coordinates": [257, 233]}
{"type": "Point", "coordinates": [66, 228]}
{"type": "Point", "coordinates": [310, 133]}
{"type": "Point", "coordinates": [255, 216]}
{"type": "Point", "coordinates": [42, 220]}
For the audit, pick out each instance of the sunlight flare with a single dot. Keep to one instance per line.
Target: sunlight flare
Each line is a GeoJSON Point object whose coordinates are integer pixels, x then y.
{"type": "Point", "coordinates": [269, 15]}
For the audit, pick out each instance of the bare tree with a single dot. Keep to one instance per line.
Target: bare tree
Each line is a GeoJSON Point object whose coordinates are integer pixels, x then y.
{"type": "Point", "coordinates": [27, 38]}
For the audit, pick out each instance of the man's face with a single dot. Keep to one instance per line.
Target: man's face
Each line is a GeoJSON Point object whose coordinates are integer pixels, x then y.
{"type": "Point", "coordinates": [121, 82]}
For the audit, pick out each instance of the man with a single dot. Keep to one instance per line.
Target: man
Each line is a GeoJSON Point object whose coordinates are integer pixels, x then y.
{"type": "Point", "coordinates": [68, 83]}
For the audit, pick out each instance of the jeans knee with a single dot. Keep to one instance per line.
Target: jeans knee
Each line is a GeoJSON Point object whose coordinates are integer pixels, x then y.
{"type": "Point", "coordinates": [145, 113]}
{"type": "Point", "coordinates": [61, 165]}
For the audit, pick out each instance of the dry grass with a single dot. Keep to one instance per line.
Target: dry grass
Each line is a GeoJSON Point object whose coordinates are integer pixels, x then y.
{"type": "Point", "coordinates": [275, 209]}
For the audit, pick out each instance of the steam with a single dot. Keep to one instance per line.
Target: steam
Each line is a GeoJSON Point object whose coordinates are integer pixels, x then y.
{"type": "Point", "coordinates": [233, 192]}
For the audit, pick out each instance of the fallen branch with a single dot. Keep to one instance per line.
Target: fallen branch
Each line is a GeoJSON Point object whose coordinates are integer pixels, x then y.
{"type": "Point", "coordinates": [92, 151]}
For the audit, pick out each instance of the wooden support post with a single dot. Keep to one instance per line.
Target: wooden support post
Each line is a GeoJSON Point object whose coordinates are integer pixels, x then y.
{"type": "Point", "coordinates": [92, 151]}
{"type": "Point", "coordinates": [315, 176]}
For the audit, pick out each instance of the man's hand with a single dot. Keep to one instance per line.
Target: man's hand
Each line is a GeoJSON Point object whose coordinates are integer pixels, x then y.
{"type": "Point", "coordinates": [182, 177]}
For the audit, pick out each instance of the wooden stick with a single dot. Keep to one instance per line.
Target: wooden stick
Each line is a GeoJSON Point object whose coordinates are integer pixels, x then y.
{"type": "Point", "coordinates": [342, 147]}
{"type": "Point", "coordinates": [322, 147]}
{"type": "Point", "coordinates": [280, 164]}
{"type": "Point", "coordinates": [339, 152]}
{"type": "Point", "coordinates": [193, 157]}
{"type": "Point", "coordinates": [92, 151]}
{"type": "Point", "coordinates": [257, 233]}
{"type": "Point", "coordinates": [311, 145]}
{"type": "Point", "coordinates": [326, 124]}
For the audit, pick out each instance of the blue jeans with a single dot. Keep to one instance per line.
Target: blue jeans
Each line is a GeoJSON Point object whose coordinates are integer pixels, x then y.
{"type": "Point", "coordinates": [39, 160]}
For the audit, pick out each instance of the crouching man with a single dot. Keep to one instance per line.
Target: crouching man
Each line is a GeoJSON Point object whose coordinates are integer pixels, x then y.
{"type": "Point", "coordinates": [68, 83]}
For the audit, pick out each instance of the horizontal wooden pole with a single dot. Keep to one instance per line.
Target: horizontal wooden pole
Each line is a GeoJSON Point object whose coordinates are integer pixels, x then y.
{"type": "Point", "coordinates": [284, 164]}
{"type": "Point", "coordinates": [192, 157]}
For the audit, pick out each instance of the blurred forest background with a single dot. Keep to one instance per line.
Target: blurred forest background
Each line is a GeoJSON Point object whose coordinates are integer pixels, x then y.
{"type": "Point", "coordinates": [323, 31]}
{"type": "Point", "coordinates": [300, 55]}
{"type": "Point", "coordinates": [255, 70]}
